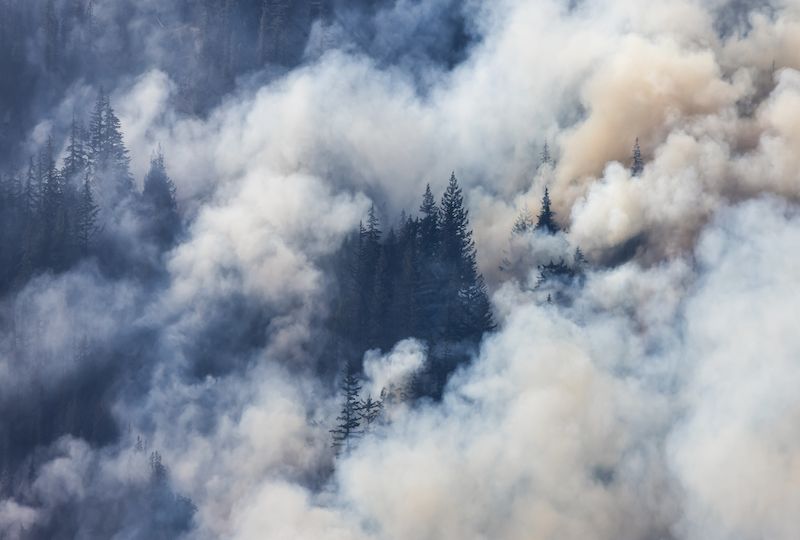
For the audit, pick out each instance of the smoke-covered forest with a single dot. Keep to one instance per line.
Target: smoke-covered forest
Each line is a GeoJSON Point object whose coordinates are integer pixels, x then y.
{"type": "Point", "coordinates": [399, 269]}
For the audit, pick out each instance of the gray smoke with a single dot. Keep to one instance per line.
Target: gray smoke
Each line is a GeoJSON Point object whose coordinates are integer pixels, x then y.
{"type": "Point", "coordinates": [661, 404]}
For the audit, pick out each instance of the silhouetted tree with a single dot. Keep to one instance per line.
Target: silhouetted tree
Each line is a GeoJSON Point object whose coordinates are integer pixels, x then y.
{"type": "Point", "coordinates": [158, 198]}
{"type": "Point", "coordinates": [370, 411]}
{"type": "Point", "coordinates": [546, 221]}
{"type": "Point", "coordinates": [524, 222]}
{"type": "Point", "coordinates": [546, 159]}
{"type": "Point", "coordinates": [637, 167]}
{"type": "Point", "coordinates": [349, 419]}
{"type": "Point", "coordinates": [86, 226]}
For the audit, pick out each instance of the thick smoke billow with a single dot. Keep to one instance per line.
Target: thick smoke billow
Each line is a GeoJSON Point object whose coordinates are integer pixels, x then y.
{"type": "Point", "coordinates": [191, 385]}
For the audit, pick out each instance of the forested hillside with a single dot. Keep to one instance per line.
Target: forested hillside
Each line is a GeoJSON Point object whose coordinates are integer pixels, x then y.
{"type": "Point", "coordinates": [399, 269]}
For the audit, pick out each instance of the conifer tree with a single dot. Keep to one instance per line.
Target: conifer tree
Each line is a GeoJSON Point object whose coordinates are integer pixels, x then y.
{"type": "Point", "coordinates": [118, 159]}
{"type": "Point", "coordinates": [546, 159]}
{"type": "Point", "coordinates": [158, 197]}
{"type": "Point", "coordinates": [86, 218]}
{"type": "Point", "coordinates": [428, 224]}
{"type": "Point", "coordinates": [370, 411]}
{"type": "Point", "coordinates": [524, 222]}
{"type": "Point", "coordinates": [97, 132]}
{"type": "Point", "coordinates": [637, 167]}
{"type": "Point", "coordinates": [108, 156]}
{"type": "Point", "coordinates": [76, 160]}
{"type": "Point", "coordinates": [349, 419]}
{"type": "Point", "coordinates": [546, 221]}
{"type": "Point", "coordinates": [465, 312]}
{"type": "Point", "coordinates": [429, 268]}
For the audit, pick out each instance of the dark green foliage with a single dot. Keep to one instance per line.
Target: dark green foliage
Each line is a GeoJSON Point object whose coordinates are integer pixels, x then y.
{"type": "Point", "coordinates": [50, 216]}
{"type": "Point", "coordinates": [160, 206]}
{"type": "Point", "coordinates": [547, 218]}
{"type": "Point", "coordinates": [371, 410]}
{"type": "Point", "coordinates": [85, 225]}
{"type": "Point", "coordinates": [421, 281]}
{"type": "Point", "coordinates": [349, 419]}
{"type": "Point", "coordinates": [562, 280]}
{"type": "Point", "coordinates": [107, 156]}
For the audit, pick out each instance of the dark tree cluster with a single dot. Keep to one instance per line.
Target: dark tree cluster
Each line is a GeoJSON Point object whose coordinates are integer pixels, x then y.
{"type": "Point", "coordinates": [420, 280]}
{"type": "Point", "coordinates": [358, 415]}
{"type": "Point", "coordinates": [559, 278]}
{"type": "Point", "coordinates": [50, 215]}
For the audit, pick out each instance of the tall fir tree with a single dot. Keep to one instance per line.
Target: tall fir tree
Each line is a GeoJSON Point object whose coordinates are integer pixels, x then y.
{"type": "Point", "coordinates": [546, 221]}
{"type": "Point", "coordinates": [77, 160]}
{"type": "Point", "coordinates": [466, 313]}
{"type": "Point", "coordinates": [108, 156]}
{"type": "Point", "coordinates": [349, 419]}
{"type": "Point", "coordinates": [429, 268]}
{"type": "Point", "coordinates": [86, 226]}
{"type": "Point", "coordinates": [159, 202]}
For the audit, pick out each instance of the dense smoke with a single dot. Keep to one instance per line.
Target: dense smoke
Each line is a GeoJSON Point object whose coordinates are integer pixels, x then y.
{"type": "Point", "coordinates": [186, 384]}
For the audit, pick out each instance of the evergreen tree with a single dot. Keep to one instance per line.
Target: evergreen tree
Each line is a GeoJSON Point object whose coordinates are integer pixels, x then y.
{"type": "Point", "coordinates": [77, 159]}
{"type": "Point", "coordinates": [429, 268]}
{"type": "Point", "coordinates": [108, 157]}
{"type": "Point", "coordinates": [159, 200]}
{"type": "Point", "coordinates": [524, 222]}
{"type": "Point", "coordinates": [407, 314]}
{"type": "Point", "coordinates": [54, 232]}
{"type": "Point", "coordinates": [117, 155]}
{"type": "Point", "coordinates": [429, 224]}
{"type": "Point", "coordinates": [546, 159]}
{"type": "Point", "coordinates": [370, 411]}
{"type": "Point", "coordinates": [97, 133]}
{"type": "Point", "coordinates": [546, 221]}
{"type": "Point", "coordinates": [368, 258]}
{"type": "Point", "coordinates": [349, 419]}
{"type": "Point", "coordinates": [158, 471]}
{"type": "Point", "coordinates": [86, 218]}
{"type": "Point", "coordinates": [580, 261]}
{"type": "Point", "coordinates": [637, 168]}
{"type": "Point", "coordinates": [465, 313]}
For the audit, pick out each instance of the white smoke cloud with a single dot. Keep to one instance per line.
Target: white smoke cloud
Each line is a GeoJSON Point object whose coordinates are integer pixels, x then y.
{"type": "Point", "coordinates": [660, 405]}
{"type": "Point", "coordinates": [393, 369]}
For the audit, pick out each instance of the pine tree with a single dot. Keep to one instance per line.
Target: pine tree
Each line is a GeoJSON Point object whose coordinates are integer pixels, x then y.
{"type": "Point", "coordinates": [429, 224]}
{"type": "Point", "coordinates": [76, 160]}
{"type": "Point", "coordinates": [546, 221]}
{"type": "Point", "coordinates": [370, 411]}
{"type": "Point", "coordinates": [466, 313]}
{"type": "Point", "coordinates": [118, 159]}
{"type": "Point", "coordinates": [158, 197]}
{"type": "Point", "coordinates": [54, 232]}
{"type": "Point", "coordinates": [429, 268]}
{"type": "Point", "coordinates": [524, 222]}
{"type": "Point", "coordinates": [97, 133]}
{"type": "Point", "coordinates": [349, 419]}
{"type": "Point", "coordinates": [158, 471]}
{"type": "Point", "coordinates": [368, 258]}
{"type": "Point", "coordinates": [637, 168]}
{"type": "Point", "coordinates": [546, 159]}
{"type": "Point", "coordinates": [108, 156]}
{"type": "Point", "coordinates": [579, 259]}
{"type": "Point", "coordinates": [407, 291]}
{"type": "Point", "coordinates": [86, 218]}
